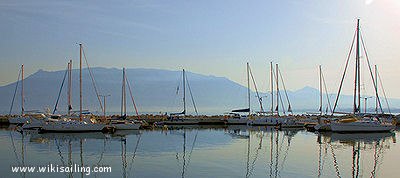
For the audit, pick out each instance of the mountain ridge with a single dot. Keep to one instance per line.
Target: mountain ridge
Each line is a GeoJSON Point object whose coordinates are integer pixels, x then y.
{"type": "Point", "coordinates": [154, 90]}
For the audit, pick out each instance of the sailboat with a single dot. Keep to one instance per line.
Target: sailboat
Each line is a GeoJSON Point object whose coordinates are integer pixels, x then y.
{"type": "Point", "coordinates": [122, 123]}
{"type": "Point", "coordinates": [364, 124]}
{"type": "Point", "coordinates": [37, 122]}
{"type": "Point", "coordinates": [181, 118]}
{"type": "Point", "coordinates": [22, 118]}
{"type": "Point", "coordinates": [285, 121]}
{"type": "Point", "coordinates": [276, 120]}
{"type": "Point", "coordinates": [324, 122]}
{"type": "Point", "coordinates": [268, 120]}
{"type": "Point", "coordinates": [71, 125]}
{"type": "Point", "coordinates": [357, 121]}
{"type": "Point", "coordinates": [235, 117]}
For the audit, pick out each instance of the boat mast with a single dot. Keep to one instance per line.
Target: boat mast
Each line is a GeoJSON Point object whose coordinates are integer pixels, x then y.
{"type": "Point", "coordinates": [357, 96]}
{"type": "Point", "coordinates": [69, 86]}
{"type": "Point", "coordinates": [80, 81]}
{"type": "Point", "coordinates": [359, 74]}
{"type": "Point", "coordinates": [272, 89]}
{"type": "Point", "coordinates": [376, 89]}
{"type": "Point", "coordinates": [124, 78]}
{"type": "Point", "coordinates": [184, 92]}
{"type": "Point", "coordinates": [123, 94]}
{"type": "Point", "coordinates": [320, 90]}
{"type": "Point", "coordinates": [248, 87]}
{"type": "Point", "coordinates": [22, 90]}
{"type": "Point", "coordinates": [277, 90]}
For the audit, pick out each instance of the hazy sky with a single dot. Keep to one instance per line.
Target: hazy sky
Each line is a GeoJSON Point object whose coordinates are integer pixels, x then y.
{"type": "Point", "coordinates": [211, 37]}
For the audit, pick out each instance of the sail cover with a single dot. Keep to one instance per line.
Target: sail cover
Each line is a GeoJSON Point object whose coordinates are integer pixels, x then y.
{"type": "Point", "coordinates": [179, 113]}
{"type": "Point", "coordinates": [241, 110]}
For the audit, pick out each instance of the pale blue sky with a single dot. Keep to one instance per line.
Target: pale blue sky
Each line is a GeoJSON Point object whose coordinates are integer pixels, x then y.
{"type": "Point", "coordinates": [210, 37]}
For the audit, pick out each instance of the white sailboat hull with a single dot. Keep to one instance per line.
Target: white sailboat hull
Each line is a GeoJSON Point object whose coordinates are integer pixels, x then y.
{"type": "Point", "coordinates": [18, 120]}
{"type": "Point", "coordinates": [72, 126]}
{"type": "Point", "coordinates": [32, 125]}
{"type": "Point", "coordinates": [361, 127]}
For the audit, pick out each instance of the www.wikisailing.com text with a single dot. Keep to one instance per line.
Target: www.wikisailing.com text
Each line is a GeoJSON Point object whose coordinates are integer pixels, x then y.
{"type": "Point", "coordinates": [53, 168]}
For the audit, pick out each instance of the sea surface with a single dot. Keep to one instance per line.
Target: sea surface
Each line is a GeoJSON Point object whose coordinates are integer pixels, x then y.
{"type": "Point", "coordinates": [204, 151]}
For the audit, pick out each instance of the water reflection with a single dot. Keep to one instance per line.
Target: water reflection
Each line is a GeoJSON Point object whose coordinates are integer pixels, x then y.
{"type": "Point", "coordinates": [184, 154]}
{"type": "Point", "coordinates": [121, 136]}
{"type": "Point", "coordinates": [259, 138]}
{"type": "Point", "coordinates": [63, 137]}
{"type": "Point", "coordinates": [205, 151]}
{"type": "Point", "coordinates": [70, 148]}
{"type": "Point", "coordinates": [361, 145]}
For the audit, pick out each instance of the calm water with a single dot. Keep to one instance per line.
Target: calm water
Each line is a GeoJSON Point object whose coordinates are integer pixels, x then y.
{"type": "Point", "coordinates": [206, 152]}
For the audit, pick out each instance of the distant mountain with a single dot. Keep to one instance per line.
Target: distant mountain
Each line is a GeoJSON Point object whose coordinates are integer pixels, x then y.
{"type": "Point", "coordinates": [154, 91]}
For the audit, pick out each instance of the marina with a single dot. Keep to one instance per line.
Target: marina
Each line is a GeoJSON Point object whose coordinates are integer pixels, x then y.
{"type": "Point", "coordinates": [194, 89]}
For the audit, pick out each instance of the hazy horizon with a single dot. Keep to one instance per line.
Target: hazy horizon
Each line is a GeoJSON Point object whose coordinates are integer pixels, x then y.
{"type": "Point", "coordinates": [332, 91]}
{"type": "Point", "coordinates": [156, 90]}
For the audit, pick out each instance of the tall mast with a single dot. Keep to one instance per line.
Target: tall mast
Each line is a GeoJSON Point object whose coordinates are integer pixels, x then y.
{"type": "Point", "coordinates": [104, 109]}
{"type": "Point", "coordinates": [277, 90]}
{"type": "Point", "coordinates": [123, 93]}
{"type": "Point", "coordinates": [80, 81]}
{"type": "Point", "coordinates": [376, 89]}
{"type": "Point", "coordinates": [22, 90]}
{"type": "Point", "coordinates": [248, 87]}
{"type": "Point", "coordinates": [272, 89]}
{"type": "Point", "coordinates": [184, 92]}
{"type": "Point", "coordinates": [124, 84]}
{"type": "Point", "coordinates": [359, 74]}
{"type": "Point", "coordinates": [320, 89]}
{"type": "Point", "coordinates": [357, 96]}
{"type": "Point", "coordinates": [69, 86]}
